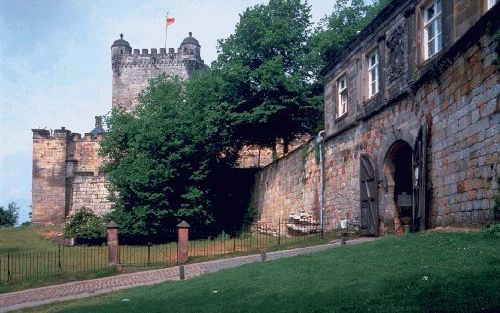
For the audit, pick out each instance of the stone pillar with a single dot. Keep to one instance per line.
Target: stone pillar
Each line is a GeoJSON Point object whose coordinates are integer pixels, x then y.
{"type": "Point", "coordinates": [113, 245]}
{"type": "Point", "coordinates": [182, 242]}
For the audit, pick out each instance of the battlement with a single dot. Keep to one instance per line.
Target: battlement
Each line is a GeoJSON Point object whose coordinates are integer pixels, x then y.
{"type": "Point", "coordinates": [63, 133]}
{"type": "Point", "coordinates": [148, 58]}
{"type": "Point", "coordinates": [146, 52]}
{"type": "Point", "coordinates": [187, 55]}
{"type": "Point", "coordinates": [154, 52]}
{"type": "Point", "coordinates": [50, 134]}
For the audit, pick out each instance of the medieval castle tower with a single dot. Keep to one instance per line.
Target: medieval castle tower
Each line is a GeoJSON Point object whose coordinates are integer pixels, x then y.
{"type": "Point", "coordinates": [132, 70]}
{"type": "Point", "coordinates": [66, 165]}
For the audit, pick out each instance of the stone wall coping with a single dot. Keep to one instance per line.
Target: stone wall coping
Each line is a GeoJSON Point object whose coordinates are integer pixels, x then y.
{"type": "Point", "coordinates": [112, 224]}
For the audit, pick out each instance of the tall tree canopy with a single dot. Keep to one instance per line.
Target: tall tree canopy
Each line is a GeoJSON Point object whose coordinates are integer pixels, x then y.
{"type": "Point", "coordinates": [267, 75]}
{"type": "Point", "coordinates": [160, 159]}
{"type": "Point", "coordinates": [336, 30]}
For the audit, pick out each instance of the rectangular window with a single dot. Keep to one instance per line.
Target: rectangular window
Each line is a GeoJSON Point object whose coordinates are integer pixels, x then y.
{"type": "Point", "coordinates": [432, 29]}
{"type": "Point", "coordinates": [372, 74]}
{"type": "Point", "coordinates": [342, 96]}
{"type": "Point", "coordinates": [491, 3]}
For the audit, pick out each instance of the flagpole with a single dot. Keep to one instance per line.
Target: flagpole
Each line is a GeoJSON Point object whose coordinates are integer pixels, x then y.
{"type": "Point", "coordinates": [166, 30]}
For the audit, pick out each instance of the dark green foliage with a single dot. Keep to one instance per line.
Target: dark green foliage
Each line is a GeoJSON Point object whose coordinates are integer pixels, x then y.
{"type": "Point", "coordinates": [267, 78]}
{"type": "Point", "coordinates": [493, 229]}
{"type": "Point", "coordinates": [161, 158]}
{"type": "Point", "coordinates": [9, 216]}
{"type": "Point", "coordinates": [337, 29]}
{"type": "Point", "coordinates": [85, 225]}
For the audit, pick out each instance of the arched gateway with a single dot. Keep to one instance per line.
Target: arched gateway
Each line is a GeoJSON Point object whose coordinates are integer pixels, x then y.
{"type": "Point", "coordinates": [396, 193]}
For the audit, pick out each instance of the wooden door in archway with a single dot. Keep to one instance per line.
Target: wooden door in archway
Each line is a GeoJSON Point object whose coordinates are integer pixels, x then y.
{"type": "Point", "coordinates": [368, 197]}
{"type": "Point", "coordinates": [420, 186]}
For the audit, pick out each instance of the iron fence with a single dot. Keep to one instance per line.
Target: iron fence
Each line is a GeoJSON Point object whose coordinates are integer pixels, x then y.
{"type": "Point", "coordinates": [202, 245]}
{"type": "Point", "coordinates": [35, 264]}
{"type": "Point", "coordinates": [263, 236]}
{"type": "Point", "coordinates": [161, 253]}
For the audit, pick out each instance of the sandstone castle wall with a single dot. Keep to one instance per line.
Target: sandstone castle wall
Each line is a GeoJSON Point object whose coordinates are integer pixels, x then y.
{"type": "Point", "coordinates": [455, 95]}
{"type": "Point", "coordinates": [66, 175]}
{"type": "Point", "coordinates": [132, 70]}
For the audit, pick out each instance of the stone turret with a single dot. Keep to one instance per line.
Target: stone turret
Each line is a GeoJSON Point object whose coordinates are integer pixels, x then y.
{"type": "Point", "coordinates": [119, 48]}
{"type": "Point", "coordinates": [190, 47]}
{"type": "Point", "coordinates": [132, 68]}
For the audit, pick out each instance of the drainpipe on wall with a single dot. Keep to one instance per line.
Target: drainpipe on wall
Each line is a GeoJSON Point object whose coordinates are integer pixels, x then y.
{"type": "Point", "coordinates": [319, 141]}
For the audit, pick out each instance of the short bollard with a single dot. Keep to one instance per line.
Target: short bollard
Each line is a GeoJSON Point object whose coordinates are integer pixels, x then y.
{"type": "Point", "coordinates": [263, 256]}
{"type": "Point", "coordinates": [343, 240]}
{"type": "Point", "coordinates": [181, 272]}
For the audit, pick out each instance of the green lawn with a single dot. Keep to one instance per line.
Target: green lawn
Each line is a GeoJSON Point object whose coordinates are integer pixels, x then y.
{"type": "Point", "coordinates": [429, 272]}
{"type": "Point", "coordinates": [33, 260]}
{"type": "Point", "coordinates": [22, 239]}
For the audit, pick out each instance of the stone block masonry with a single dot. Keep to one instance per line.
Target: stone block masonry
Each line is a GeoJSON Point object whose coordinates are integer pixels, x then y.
{"type": "Point", "coordinates": [133, 70]}
{"type": "Point", "coordinates": [453, 96]}
{"type": "Point", "coordinates": [288, 185]}
{"type": "Point", "coordinates": [49, 176]}
{"type": "Point", "coordinates": [90, 191]}
{"type": "Point", "coordinates": [66, 175]}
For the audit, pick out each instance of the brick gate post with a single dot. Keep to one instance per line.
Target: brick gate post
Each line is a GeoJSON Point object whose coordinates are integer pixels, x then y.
{"type": "Point", "coordinates": [113, 245]}
{"type": "Point", "coordinates": [182, 242]}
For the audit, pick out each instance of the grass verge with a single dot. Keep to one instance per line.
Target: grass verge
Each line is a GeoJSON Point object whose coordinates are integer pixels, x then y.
{"type": "Point", "coordinates": [428, 272]}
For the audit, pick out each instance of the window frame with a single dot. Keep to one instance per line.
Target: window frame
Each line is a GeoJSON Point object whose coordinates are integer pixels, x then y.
{"type": "Point", "coordinates": [373, 68]}
{"type": "Point", "coordinates": [342, 107]}
{"type": "Point", "coordinates": [435, 21]}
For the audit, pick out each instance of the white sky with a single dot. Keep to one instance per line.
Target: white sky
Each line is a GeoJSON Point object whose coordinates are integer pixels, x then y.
{"type": "Point", "coordinates": [55, 64]}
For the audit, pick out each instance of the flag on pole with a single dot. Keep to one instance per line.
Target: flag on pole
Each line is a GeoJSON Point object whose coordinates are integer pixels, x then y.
{"type": "Point", "coordinates": [169, 21]}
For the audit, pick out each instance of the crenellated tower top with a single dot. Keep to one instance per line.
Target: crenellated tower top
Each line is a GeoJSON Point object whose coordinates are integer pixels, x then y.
{"type": "Point", "coordinates": [132, 68]}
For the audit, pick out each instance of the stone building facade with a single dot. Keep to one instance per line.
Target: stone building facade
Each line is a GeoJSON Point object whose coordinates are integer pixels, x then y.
{"type": "Point", "coordinates": [412, 132]}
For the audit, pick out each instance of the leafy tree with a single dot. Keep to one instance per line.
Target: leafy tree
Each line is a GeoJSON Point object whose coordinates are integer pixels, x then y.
{"type": "Point", "coordinates": [336, 30]}
{"type": "Point", "coordinates": [266, 75]}
{"type": "Point", "coordinates": [161, 158]}
{"type": "Point", "coordinates": [8, 217]}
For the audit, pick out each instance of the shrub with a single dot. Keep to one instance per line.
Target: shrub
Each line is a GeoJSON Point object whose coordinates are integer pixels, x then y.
{"type": "Point", "coordinates": [26, 224]}
{"type": "Point", "coordinates": [493, 229]}
{"type": "Point", "coordinates": [9, 216]}
{"type": "Point", "coordinates": [85, 226]}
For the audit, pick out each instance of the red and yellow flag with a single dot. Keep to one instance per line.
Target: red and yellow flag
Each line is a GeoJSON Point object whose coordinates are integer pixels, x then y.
{"type": "Point", "coordinates": [170, 21]}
